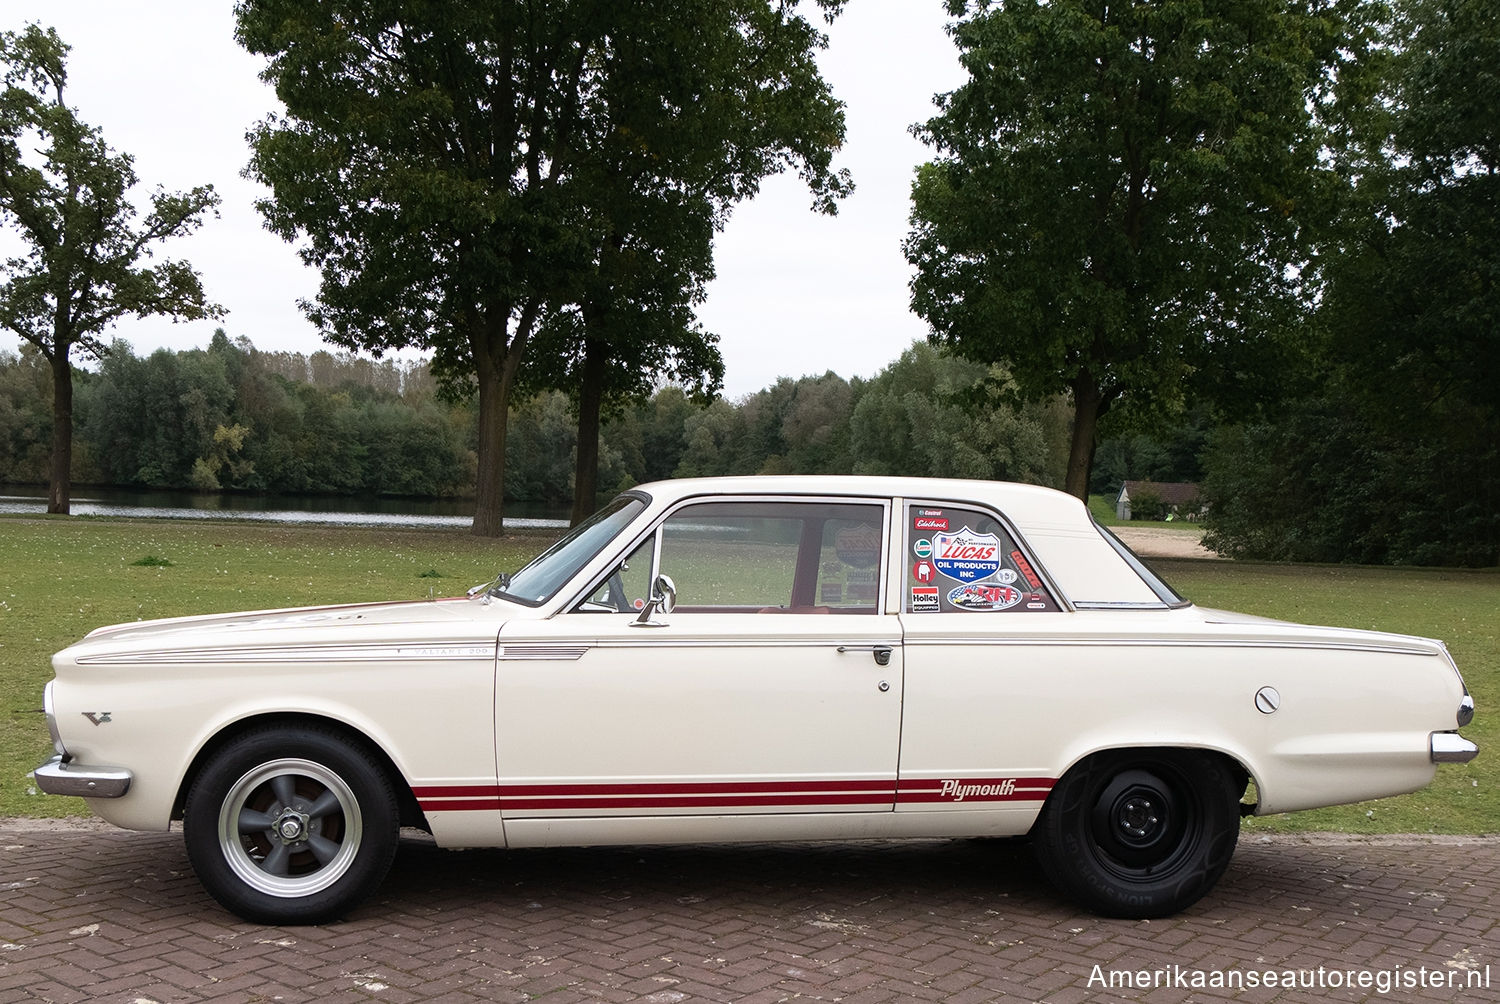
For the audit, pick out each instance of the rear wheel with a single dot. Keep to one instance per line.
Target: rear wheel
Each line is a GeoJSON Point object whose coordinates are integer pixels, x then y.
{"type": "Point", "coordinates": [290, 825]}
{"type": "Point", "coordinates": [1140, 833]}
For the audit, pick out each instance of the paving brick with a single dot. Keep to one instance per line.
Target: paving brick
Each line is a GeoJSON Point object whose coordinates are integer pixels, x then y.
{"type": "Point", "coordinates": [100, 914]}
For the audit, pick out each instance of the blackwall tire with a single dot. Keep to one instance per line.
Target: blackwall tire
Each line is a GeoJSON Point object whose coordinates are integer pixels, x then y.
{"type": "Point", "coordinates": [1140, 833]}
{"type": "Point", "coordinates": [291, 825]}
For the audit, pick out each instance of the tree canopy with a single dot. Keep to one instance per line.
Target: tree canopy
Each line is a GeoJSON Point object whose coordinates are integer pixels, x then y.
{"type": "Point", "coordinates": [86, 258]}
{"type": "Point", "coordinates": [1122, 194]}
{"type": "Point", "coordinates": [457, 170]}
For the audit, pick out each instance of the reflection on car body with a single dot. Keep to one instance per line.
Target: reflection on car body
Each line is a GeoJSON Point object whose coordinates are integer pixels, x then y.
{"type": "Point", "coordinates": [753, 659]}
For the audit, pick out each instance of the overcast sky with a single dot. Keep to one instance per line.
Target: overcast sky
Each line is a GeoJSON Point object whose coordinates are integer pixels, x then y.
{"type": "Point", "coordinates": [797, 293]}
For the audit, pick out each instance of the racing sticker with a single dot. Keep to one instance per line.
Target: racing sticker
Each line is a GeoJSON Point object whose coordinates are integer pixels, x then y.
{"type": "Point", "coordinates": [984, 596]}
{"type": "Point", "coordinates": [922, 571]}
{"type": "Point", "coordinates": [966, 556]}
{"type": "Point", "coordinates": [1025, 567]}
{"type": "Point", "coordinates": [925, 598]}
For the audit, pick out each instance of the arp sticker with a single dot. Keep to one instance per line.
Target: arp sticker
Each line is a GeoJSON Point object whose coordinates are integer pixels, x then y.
{"type": "Point", "coordinates": [922, 571]}
{"type": "Point", "coordinates": [924, 598]}
{"type": "Point", "coordinates": [966, 556]}
{"type": "Point", "coordinates": [984, 596]}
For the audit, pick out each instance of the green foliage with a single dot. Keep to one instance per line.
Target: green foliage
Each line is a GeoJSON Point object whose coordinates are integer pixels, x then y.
{"type": "Point", "coordinates": [1122, 194]}
{"type": "Point", "coordinates": [227, 418]}
{"type": "Point", "coordinates": [86, 260]}
{"type": "Point", "coordinates": [935, 415]}
{"type": "Point", "coordinates": [1325, 484]}
{"type": "Point", "coordinates": [464, 172]}
{"type": "Point", "coordinates": [1395, 458]}
{"type": "Point", "coordinates": [151, 561]}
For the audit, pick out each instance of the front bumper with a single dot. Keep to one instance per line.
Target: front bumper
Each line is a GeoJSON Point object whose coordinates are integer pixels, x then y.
{"type": "Point", "coordinates": [60, 777]}
{"type": "Point", "coordinates": [1450, 747]}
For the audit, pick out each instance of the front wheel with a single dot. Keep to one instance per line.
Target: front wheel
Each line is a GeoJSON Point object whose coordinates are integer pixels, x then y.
{"type": "Point", "coordinates": [1140, 833]}
{"type": "Point", "coordinates": [290, 825]}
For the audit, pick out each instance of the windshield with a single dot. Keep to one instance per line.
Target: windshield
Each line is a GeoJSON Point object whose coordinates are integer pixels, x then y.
{"type": "Point", "coordinates": [554, 567]}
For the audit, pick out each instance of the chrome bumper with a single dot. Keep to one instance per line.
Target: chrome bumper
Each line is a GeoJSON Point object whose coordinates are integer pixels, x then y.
{"type": "Point", "coordinates": [57, 777]}
{"type": "Point", "coordinates": [1450, 747]}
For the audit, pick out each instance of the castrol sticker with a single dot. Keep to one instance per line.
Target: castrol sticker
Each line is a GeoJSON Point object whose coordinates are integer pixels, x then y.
{"type": "Point", "coordinates": [966, 556]}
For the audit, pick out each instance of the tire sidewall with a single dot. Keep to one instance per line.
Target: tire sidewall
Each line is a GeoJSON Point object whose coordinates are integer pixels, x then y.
{"type": "Point", "coordinates": [356, 768]}
{"type": "Point", "coordinates": [1071, 856]}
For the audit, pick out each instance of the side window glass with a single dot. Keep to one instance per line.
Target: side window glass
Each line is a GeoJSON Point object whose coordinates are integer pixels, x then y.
{"type": "Point", "coordinates": [963, 559]}
{"type": "Point", "coordinates": [774, 557]}
{"type": "Point", "coordinates": [626, 588]}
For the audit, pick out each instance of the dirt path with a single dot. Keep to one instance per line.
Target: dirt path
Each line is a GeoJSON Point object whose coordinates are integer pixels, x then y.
{"type": "Point", "coordinates": [1161, 542]}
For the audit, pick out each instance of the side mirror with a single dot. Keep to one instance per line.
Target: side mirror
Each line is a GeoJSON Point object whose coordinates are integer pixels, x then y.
{"type": "Point", "coordinates": [663, 600]}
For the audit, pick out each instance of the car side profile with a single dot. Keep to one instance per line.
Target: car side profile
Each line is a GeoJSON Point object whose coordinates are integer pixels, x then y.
{"type": "Point", "coordinates": [751, 659]}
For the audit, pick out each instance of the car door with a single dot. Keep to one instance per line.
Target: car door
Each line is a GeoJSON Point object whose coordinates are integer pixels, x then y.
{"type": "Point", "coordinates": [773, 687]}
{"type": "Point", "coordinates": [982, 696]}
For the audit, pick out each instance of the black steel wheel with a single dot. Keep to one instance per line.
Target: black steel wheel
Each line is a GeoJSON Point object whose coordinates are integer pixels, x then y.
{"type": "Point", "coordinates": [291, 825]}
{"type": "Point", "coordinates": [1140, 833]}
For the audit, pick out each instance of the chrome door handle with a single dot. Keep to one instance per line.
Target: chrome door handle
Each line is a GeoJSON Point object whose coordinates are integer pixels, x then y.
{"type": "Point", "coordinates": [882, 653]}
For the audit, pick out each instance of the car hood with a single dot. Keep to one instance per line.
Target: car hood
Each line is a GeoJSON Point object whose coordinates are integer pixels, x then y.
{"type": "Point", "coordinates": [347, 631]}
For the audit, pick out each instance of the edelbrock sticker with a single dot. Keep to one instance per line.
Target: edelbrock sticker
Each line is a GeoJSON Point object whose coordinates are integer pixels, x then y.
{"type": "Point", "coordinates": [966, 556]}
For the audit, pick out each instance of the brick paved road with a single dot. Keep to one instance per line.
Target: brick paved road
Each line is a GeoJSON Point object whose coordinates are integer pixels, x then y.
{"type": "Point", "coordinates": [91, 913]}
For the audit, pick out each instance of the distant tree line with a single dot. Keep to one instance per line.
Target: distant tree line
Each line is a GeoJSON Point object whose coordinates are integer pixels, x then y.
{"type": "Point", "coordinates": [232, 417]}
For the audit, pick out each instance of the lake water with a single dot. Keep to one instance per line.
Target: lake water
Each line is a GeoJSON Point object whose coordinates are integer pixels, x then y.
{"type": "Point", "coordinates": [291, 509]}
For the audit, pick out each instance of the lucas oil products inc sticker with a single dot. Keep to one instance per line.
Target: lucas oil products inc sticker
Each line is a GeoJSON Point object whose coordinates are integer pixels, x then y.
{"type": "Point", "coordinates": [966, 556]}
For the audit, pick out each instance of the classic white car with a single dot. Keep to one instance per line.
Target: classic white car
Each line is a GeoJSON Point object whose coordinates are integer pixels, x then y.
{"type": "Point", "coordinates": [752, 659]}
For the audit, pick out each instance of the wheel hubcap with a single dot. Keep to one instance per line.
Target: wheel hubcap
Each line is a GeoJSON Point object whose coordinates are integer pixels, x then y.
{"type": "Point", "coordinates": [1138, 817]}
{"type": "Point", "coordinates": [1141, 821]}
{"type": "Point", "coordinates": [290, 828]}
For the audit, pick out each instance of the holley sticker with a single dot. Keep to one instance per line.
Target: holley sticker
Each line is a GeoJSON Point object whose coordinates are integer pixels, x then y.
{"type": "Point", "coordinates": [924, 598]}
{"type": "Point", "coordinates": [966, 556]}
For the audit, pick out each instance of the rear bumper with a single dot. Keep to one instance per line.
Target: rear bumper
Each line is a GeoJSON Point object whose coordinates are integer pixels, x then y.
{"type": "Point", "coordinates": [1450, 747]}
{"type": "Point", "coordinates": [59, 777]}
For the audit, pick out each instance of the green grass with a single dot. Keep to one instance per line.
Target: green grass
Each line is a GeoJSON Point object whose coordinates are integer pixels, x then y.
{"type": "Point", "coordinates": [64, 577]}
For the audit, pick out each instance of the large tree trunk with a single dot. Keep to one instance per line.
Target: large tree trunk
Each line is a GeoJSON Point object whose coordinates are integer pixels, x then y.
{"type": "Point", "coordinates": [590, 398]}
{"type": "Point", "coordinates": [489, 486]}
{"type": "Point", "coordinates": [61, 479]}
{"type": "Point", "coordinates": [497, 352]}
{"type": "Point", "coordinates": [1089, 405]}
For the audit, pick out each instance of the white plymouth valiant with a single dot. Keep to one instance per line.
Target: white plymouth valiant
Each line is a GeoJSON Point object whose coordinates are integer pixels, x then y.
{"type": "Point", "coordinates": [752, 659]}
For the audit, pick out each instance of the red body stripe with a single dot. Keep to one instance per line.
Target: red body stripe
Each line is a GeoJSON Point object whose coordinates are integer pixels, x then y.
{"type": "Point", "coordinates": [728, 794]}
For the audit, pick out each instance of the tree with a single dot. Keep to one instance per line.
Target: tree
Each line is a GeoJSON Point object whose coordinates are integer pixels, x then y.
{"type": "Point", "coordinates": [1396, 458]}
{"type": "Point", "coordinates": [932, 414]}
{"type": "Point", "coordinates": [1124, 194]}
{"type": "Point", "coordinates": [84, 267]}
{"type": "Point", "coordinates": [439, 159]}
